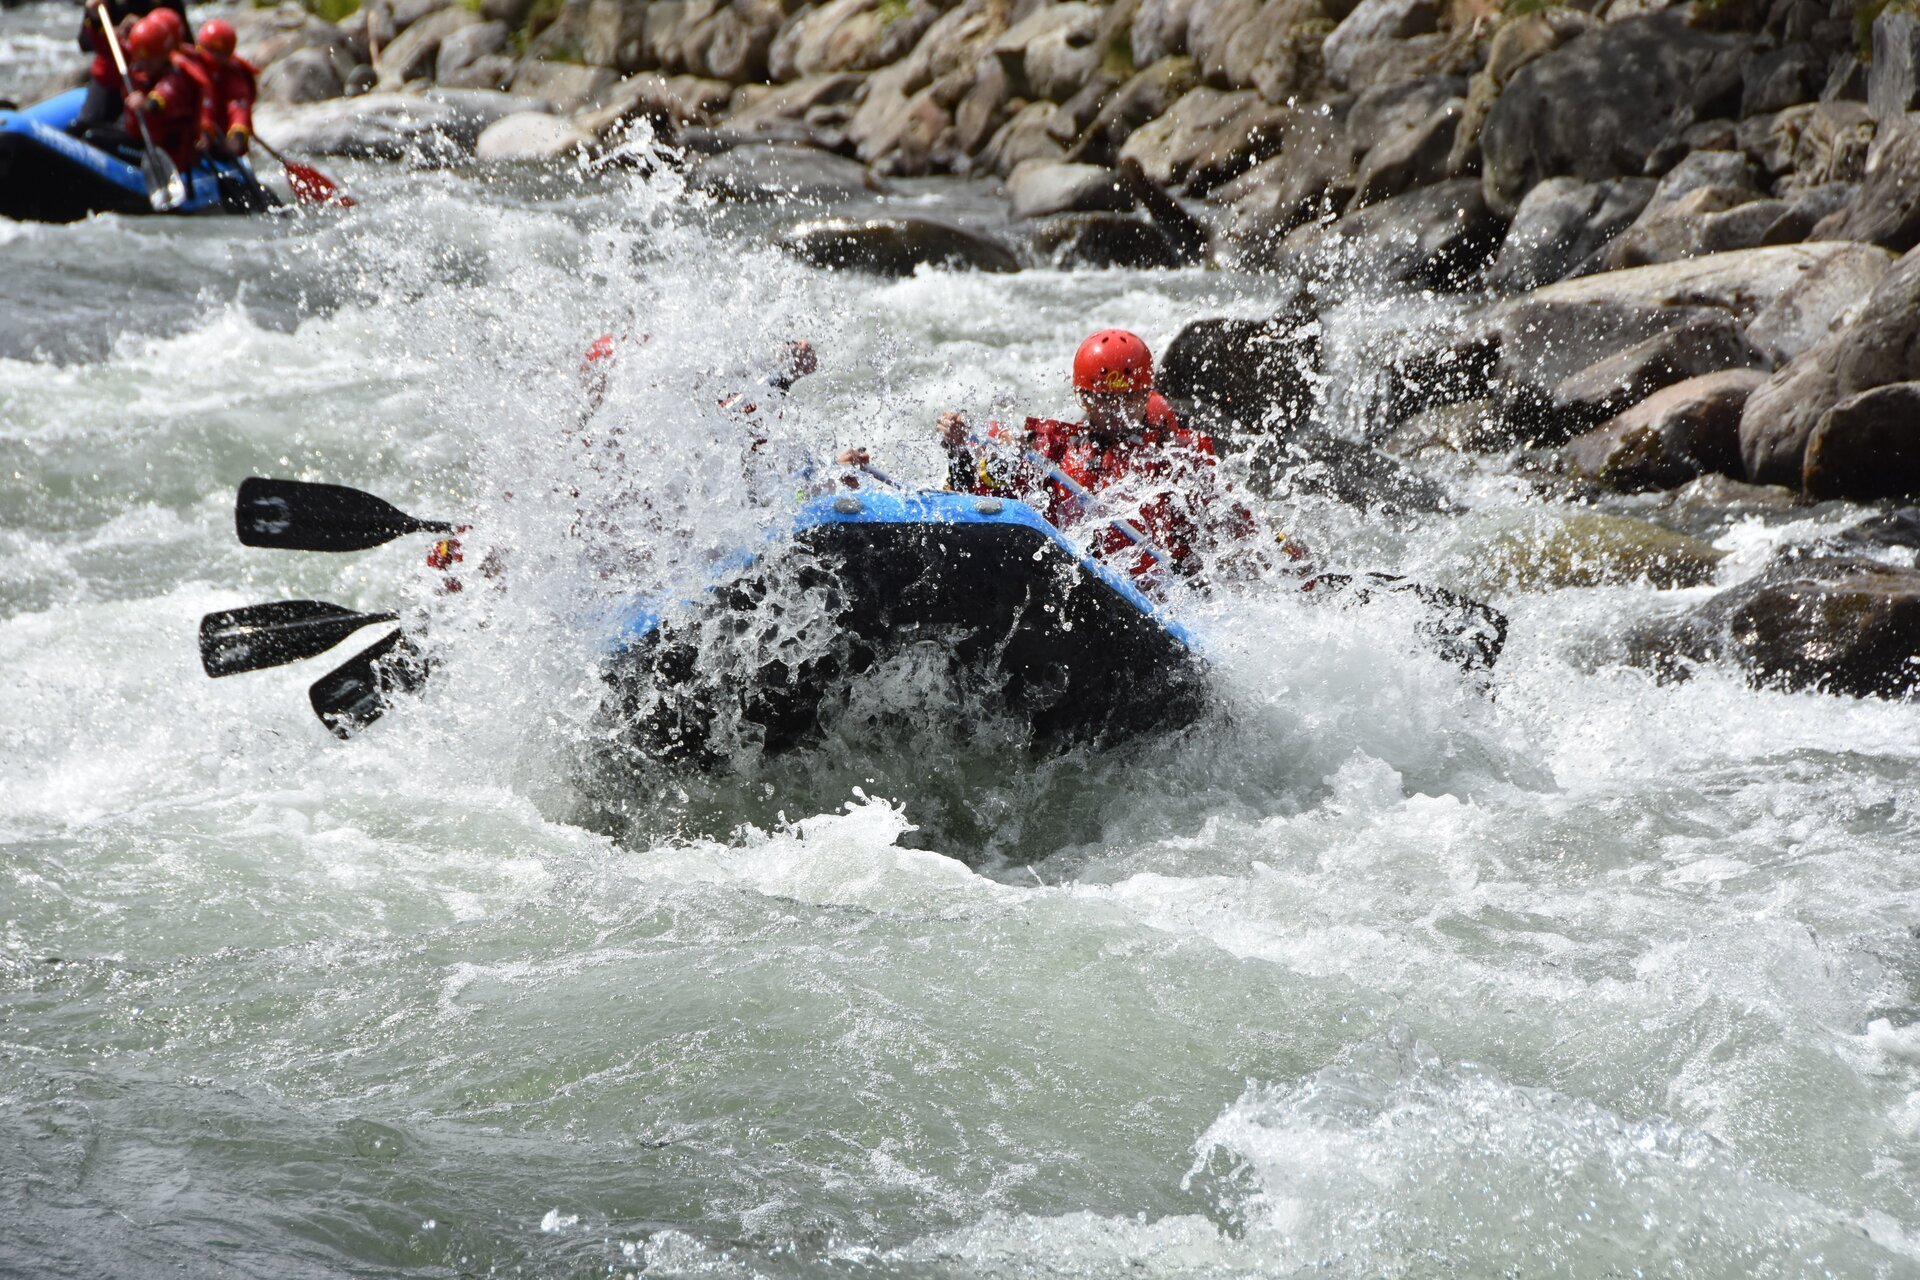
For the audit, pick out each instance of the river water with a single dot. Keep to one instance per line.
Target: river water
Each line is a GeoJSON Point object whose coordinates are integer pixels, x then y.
{"type": "Point", "coordinates": [1367, 975]}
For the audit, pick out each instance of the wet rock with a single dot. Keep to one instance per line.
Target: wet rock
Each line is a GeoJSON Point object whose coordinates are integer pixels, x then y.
{"type": "Point", "coordinates": [1898, 529]}
{"type": "Point", "coordinates": [1313, 463]}
{"type": "Point", "coordinates": [1244, 375]}
{"type": "Point", "coordinates": [1438, 237]}
{"type": "Point", "coordinates": [1675, 435]}
{"type": "Point", "coordinates": [1599, 105]}
{"type": "Point", "coordinates": [984, 109]}
{"type": "Point", "coordinates": [1839, 624]}
{"type": "Point", "coordinates": [1207, 138]}
{"type": "Point", "coordinates": [847, 35]}
{"type": "Point", "coordinates": [896, 246]}
{"type": "Point", "coordinates": [735, 45]}
{"type": "Point", "coordinates": [1397, 106]}
{"type": "Point", "coordinates": [1893, 83]}
{"type": "Point", "coordinates": [1420, 378]}
{"type": "Point", "coordinates": [529, 136]}
{"type": "Point", "coordinates": [1588, 549]}
{"type": "Point", "coordinates": [1145, 96]}
{"type": "Point", "coordinates": [1563, 224]}
{"type": "Point", "coordinates": [1708, 343]}
{"type": "Point", "coordinates": [306, 75]}
{"type": "Point", "coordinates": [1021, 139]}
{"type": "Point", "coordinates": [440, 125]}
{"type": "Point", "coordinates": [1410, 158]}
{"type": "Point", "coordinates": [1887, 209]}
{"type": "Point", "coordinates": [565, 88]}
{"type": "Point", "coordinates": [1867, 446]}
{"type": "Point", "coordinates": [1372, 36]}
{"type": "Point", "coordinates": [414, 52]}
{"type": "Point", "coordinates": [778, 174]}
{"type": "Point", "coordinates": [1469, 426]}
{"type": "Point", "coordinates": [266, 36]}
{"type": "Point", "coordinates": [1102, 240]}
{"type": "Point", "coordinates": [467, 45]}
{"type": "Point", "coordinates": [1039, 188]}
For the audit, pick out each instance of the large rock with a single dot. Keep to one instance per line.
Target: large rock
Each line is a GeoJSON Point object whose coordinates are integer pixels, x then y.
{"type": "Point", "coordinates": [527, 136]}
{"type": "Point", "coordinates": [1039, 188]}
{"type": "Point", "coordinates": [1023, 138]}
{"type": "Point", "coordinates": [1410, 157]}
{"type": "Point", "coordinates": [779, 174]}
{"type": "Point", "coordinates": [1840, 624]}
{"type": "Point", "coordinates": [1146, 95]}
{"type": "Point", "coordinates": [1819, 298]}
{"type": "Point", "coordinates": [1102, 240]}
{"type": "Point", "coordinates": [1159, 30]}
{"type": "Point", "coordinates": [1867, 446]}
{"type": "Point", "coordinates": [1311, 179]}
{"type": "Point", "coordinates": [896, 246]}
{"type": "Point", "coordinates": [305, 75]}
{"type": "Point", "coordinates": [266, 36]}
{"type": "Point", "coordinates": [414, 52]}
{"type": "Point", "coordinates": [1689, 429]}
{"type": "Point", "coordinates": [1586, 549]}
{"type": "Point", "coordinates": [1887, 209]}
{"type": "Point", "coordinates": [1707, 344]}
{"type": "Point", "coordinates": [1563, 224]}
{"type": "Point", "coordinates": [463, 47]}
{"type": "Point", "coordinates": [564, 87]}
{"type": "Point", "coordinates": [1893, 84]}
{"type": "Point", "coordinates": [440, 125]}
{"type": "Point", "coordinates": [1877, 345]}
{"type": "Point", "coordinates": [1372, 33]}
{"type": "Point", "coordinates": [848, 35]}
{"type": "Point", "coordinates": [1054, 53]}
{"type": "Point", "coordinates": [1517, 42]}
{"type": "Point", "coordinates": [1811, 145]}
{"type": "Point", "coordinates": [1244, 375]}
{"type": "Point", "coordinates": [1207, 138]}
{"type": "Point", "coordinates": [1598, 106]}
{"type": "Point", "coordinates": [1438, 237]}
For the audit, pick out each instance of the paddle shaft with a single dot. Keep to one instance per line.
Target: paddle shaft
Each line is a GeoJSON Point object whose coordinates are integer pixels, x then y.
{"type": "Point", "coordinates": [126, 78]}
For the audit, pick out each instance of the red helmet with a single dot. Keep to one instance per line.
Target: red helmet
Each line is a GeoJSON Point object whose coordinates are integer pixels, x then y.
{"type": "Point", "coordinates": [1113, 360]}
{"type": "Point", "coordinates": [154, 36]}
{"type": "Point", "coordinates": [216, 37]}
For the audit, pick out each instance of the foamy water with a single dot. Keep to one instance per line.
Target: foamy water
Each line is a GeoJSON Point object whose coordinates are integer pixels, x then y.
{"type": "Point", "coordinates": [1368, 974]}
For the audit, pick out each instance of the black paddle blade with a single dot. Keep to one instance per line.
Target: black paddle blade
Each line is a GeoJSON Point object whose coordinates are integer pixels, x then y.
{"type": "Point", "coordinates": [272, 635]}
{"type": "Point", "coordinates": [1461, 630]}
{"type": "Point", "coordinates": [358, 692]}
{"type": "Point", "coordinates": [295, 515]}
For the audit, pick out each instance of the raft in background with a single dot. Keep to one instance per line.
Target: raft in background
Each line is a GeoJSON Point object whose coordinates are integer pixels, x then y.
{"type": "Point", "coordinates": [1028, 629]}
{"type": "Point", "coordinates": [48, 175]}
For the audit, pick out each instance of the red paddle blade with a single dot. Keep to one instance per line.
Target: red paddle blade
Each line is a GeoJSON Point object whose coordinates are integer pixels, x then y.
{"type": "Point", "coordinates": [310, 186]}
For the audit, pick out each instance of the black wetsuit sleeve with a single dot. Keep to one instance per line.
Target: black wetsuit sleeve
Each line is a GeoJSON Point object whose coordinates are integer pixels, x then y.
{"type": "Point", "coordinates": [963, 472]}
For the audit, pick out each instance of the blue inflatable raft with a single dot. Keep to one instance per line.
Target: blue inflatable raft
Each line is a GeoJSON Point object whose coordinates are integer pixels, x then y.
{"type": "Point", "coordinates": [994, 596]}
{"type": "Point", "coordinates": [48, 175]}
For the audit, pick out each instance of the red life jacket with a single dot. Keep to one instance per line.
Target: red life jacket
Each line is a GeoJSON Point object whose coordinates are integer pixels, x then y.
{"type": "Point", "coordinates": [227, 91]}
{"type": "Point", "coordinates": [173, 118]}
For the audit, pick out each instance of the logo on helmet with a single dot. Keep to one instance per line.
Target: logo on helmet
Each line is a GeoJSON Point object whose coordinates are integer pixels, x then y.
{"type": "Point", "coordinates": [1116, 380]}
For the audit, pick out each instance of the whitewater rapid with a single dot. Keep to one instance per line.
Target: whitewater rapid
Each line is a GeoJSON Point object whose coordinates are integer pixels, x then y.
{"type": "Point", "coordinates": [1367, 975]}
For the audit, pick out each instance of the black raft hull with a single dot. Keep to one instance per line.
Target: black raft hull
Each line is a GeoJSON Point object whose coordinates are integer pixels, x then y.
{"type": "Point", "coordinates": [984, 601]}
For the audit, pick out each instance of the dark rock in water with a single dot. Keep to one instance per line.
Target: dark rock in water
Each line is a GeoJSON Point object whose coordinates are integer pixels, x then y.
{"type": "Point", "coordinates": [1246, 375]}
{"type": "Point", "coordinates": [896, 246]}
{"type": "Point", "coordinates": [764, 172]}
{"type": "Point", "coordinates": [1675, 435]}
{"type": "Point", "coordinates": [1599, 105]}
{"type": "Point", "coordinates": [1840, 624]}
{"type": "Point", "coordinates": [1562, 224]}
{"type": "Point", "coordinates": [1102, 240]}
{"type": "Point", "coordinates": [1452, 374]}
{"type": "Point", "coordinates": [1897, 528]}
{"type": "Point", "coordinates": [1867, 446]}
{"type": "Point", "coordinates": [1709, 344]}
{"type": "Point", "coordinates": [1314, 463]}
{"type": "Point", "coordinates": [1437, 237]}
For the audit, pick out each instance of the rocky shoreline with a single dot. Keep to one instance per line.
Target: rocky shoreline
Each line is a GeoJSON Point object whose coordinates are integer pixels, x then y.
{"type": "Point", "coordinates": [1683, 237]}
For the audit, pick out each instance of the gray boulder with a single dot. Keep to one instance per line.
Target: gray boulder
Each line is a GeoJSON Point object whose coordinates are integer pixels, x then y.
{"type": "Point", "coordinates": [780, 174]}
{"type": "Point", "coordinates": [1782, 78]}
{"type": "Point", "coordinates": [1102, 240]}
{"type": "Point", "coordinates": [1839, 624]}
{"type": "Point", "coordinates": [1562, 224]}
{"type": "Point", "coordinates": [489, 71]}
{"type": "Point", "coordinates": [305, 75]}
{"type": "Point", "coordinates": [1144, 96]}
{"type": "Point", "coordinates": [1689, 429]}
{"type": "Point", "coordinates": [462, 48]}
{"type": "Point", "coordinates": [1410, 157]}
{"type": "Point", "coordinates": [1245, 375]}
{"type": "Point", "coordinates": [1159, 30]}
{"type": "Point", "coordinates": [1809, 146]}
{"type": "Point", "coordinates": [1819, 297]}
{"type": "Point", "coordinates": [1707, 343]}
{"type": "Point", "coordinates": [1372, 34]}
{"type": "Point", "coordinates": [530, 136]}
{"type": "Point", "coordinates": [1023, 138]}
{"type": "Point", "coordinates": [895, 246]}
{"type": "Point", "coordinates": [1207, 138]}
{"type": "Point", "coordinates": [1437, 237]}
{"type": "Point", "coordinates": [1598, 106]}
{"type": "Point", "coordinates": [1867, 446]}
{"type": "Point", "coordinates": [563, 86]}
{"type": "Point", "coordinates": [1040, 187]}
{"type": "Point", "coordinates": [1311, 179]}
{"type": "Point", "coordinates": [1893, 83]}
{"type": "Point", "coordinates": [413, 53]}
{"type": "Point", "coordinates": [1887, 209]}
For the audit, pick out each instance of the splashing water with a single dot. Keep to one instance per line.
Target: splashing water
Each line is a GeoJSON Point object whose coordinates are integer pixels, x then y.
{"type": "Point", "coordinates": [1366, 974]}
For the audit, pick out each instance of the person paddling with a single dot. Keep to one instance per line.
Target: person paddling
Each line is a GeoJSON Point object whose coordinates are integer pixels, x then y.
{"type": "Point", "coordinates": [1130, 456]}
{"type": "Point", "coordinates": [106, 99]}
{"type": "Point", "coordinates": [160, 91]}
{"type": "Point", "coordinates": [227, 85]}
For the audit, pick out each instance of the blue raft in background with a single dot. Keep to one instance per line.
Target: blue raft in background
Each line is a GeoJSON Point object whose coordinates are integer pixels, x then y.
{"type": "Point", "coordinates": [48, 175]}
{"type": "Point", "coordinates": [1061, 644]}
